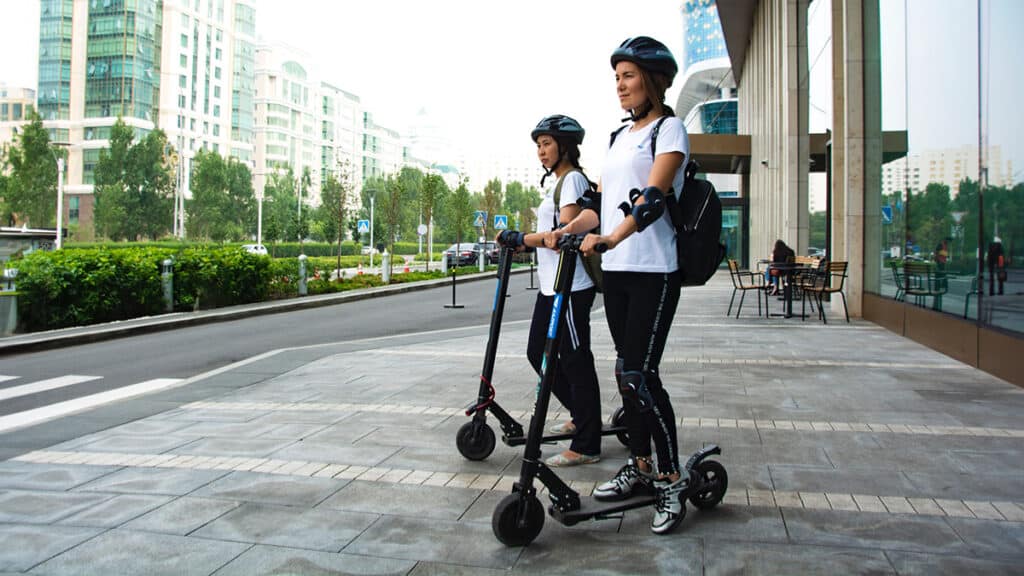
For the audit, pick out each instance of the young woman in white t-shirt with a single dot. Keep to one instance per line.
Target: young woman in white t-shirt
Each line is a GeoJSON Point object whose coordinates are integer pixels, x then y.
{"type": "Point", "coordinates": [641, 271]}
{"type": "Point", "coordinates": [558, 139]}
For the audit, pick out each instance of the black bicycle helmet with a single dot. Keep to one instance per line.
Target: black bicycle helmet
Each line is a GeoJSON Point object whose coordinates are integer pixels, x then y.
{"type": "Point", "coordinates": [647, 53]}
{"type": "Point", "coordinates": [559, 127]}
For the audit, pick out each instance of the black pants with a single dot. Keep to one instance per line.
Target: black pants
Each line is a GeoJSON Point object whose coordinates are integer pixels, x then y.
{"type": "Point", "coordinates": [993, 278]}
{"type": "Point", "coordinates": [640, 308]}
{"type": "Point", "coordinates": [576, 379]}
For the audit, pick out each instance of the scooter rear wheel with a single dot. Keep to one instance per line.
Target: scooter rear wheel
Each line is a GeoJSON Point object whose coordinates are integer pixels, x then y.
{"type": "Point", "coordinates": [619, 419]}
{"type": "Point", "coordinates": [475, 441]}
{"type": "Point", "coordinates": [505, 521]}
{"type": "Point", "coordinates": [715, 483]}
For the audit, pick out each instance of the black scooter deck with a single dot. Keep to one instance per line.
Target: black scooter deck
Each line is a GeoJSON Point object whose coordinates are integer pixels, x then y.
{"type": "Point", "coordinates": [593, 509]}
{"type": "Point", "coordinates": [606, 430]}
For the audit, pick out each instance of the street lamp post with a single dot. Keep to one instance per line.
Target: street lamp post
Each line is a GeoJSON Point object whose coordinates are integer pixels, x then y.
{"type": "Point", "coordinates": [371, 231]}
{"type": "Point", "coordinates": [60, 201]}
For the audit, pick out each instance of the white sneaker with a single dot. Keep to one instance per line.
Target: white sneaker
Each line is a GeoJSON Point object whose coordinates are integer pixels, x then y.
{"type": "Point", "coordinates": [563, 428]}
{"type": "Point", "coordinates": [628, 480]}
{"type": "Point", "coordinates": [670, 505]}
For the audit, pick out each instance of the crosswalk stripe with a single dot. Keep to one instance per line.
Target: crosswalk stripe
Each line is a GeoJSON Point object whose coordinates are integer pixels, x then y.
{"type": "Point", "coordinates": [6, 378]}
{"type": "Point", "coordinates": [41, 414]}
{"type": "Point", "coordinates": [44, 385]}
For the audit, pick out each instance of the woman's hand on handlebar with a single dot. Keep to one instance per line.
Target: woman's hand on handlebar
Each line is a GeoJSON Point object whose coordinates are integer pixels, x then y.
{"type": "Point", "coordinates": [591, 243]}
{"type": "Point", "coordinates": [552, 237]}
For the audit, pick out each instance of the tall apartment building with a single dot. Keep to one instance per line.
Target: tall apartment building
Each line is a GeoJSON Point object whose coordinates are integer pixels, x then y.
{"type": "Point", "coordinates": [305, 123]}
{"type": "Point", "coordinates": [15, 105]}
{"type": "Point", "coordinates": [947, 166]}
{"type": "Point", "coordinates": [181, 65]}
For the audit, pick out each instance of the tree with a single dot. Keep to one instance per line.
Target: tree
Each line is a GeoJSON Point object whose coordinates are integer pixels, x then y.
{"type": "Point", "coordinates": [279, 201]}
{"type": "Point", "coordinates": [520, 204]}
{"type": "Point", "coordinates": [394, 191]}
{"type": "Point", "coordinates": [334, 206]}
{"type": "Point", "coordinates": [30, 191]}
{"type": "Point", "coordinates": [459, 209]}
{"type": "Point", "coordinates": [491, 201]}
{"type": "Point", "coordinates": [222, 206]}
{"type": "Point", "coordinates": [134, 187]}
{"type": "Point", "coordinates": [432, 192]}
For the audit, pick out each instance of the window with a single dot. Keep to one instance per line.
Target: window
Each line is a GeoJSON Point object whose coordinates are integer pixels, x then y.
{"type": "Point", "coordinates": [216, 54]}
{"type": "Point", "coordinates": [17, 111]}
{"type": "Point", "coordinates": [216, 109]}
{"type": "Point", "coordinates": [182, 80]}
{"type": "Point", "coordinates": [216, 72]}
{"type": "Point", "coordinates": [216, 129]}
{"type": "Point", "coordinates": [184, 40]}
{"type": "Point", "coordinates": [184, 20]}
{"type": "Point", "coordinates": [73, 210]}
{"type": "Point", "coordinates": [181, 101]}
{"type": "Point", "coordinates": [216, 91]}
{"type": "Point", "coordinates": [183, 60]}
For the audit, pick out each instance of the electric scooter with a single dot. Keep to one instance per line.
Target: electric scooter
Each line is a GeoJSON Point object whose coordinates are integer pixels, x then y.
{"type": "Point", "coordinates": [475, 439]}
{"type": "Point", "coordinates": [519, 517]}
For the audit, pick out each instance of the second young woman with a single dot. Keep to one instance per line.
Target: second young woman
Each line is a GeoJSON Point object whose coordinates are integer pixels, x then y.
{"type": "Point", "coordinates": [558, 139]}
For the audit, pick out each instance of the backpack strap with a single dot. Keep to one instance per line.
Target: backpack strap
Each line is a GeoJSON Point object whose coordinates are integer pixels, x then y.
{"type": "Point", "coordinates": [654, 134]}
{"type": "Point", "coordinates": [558, 196]}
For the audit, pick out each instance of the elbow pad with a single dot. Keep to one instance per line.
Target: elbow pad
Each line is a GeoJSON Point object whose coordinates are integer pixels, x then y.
{"type": "Point", "coordinates": [590, 202]}
{"type": "Point", "coordinates": [651, 210]}
{"type": "Point", "coordinates": [512, 238]}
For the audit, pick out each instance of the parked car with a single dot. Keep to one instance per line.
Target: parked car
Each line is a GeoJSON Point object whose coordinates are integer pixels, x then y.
{"type": "Point", "coordinates": [464, 254]}
{"type": "Point", "coordinates": [258, 249]}
{"type": "Point", "coordinates": [493, 252]}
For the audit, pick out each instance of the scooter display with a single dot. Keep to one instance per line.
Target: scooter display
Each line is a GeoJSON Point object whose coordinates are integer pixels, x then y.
{"type": "Point", "coordinates": [475, 439]}
{"type": "Point", "coordinates": [519, 517]}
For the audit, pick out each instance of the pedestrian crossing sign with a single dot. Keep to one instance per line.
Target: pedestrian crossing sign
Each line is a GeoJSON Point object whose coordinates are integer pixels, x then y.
{"type": "Point", "coordinates": [363, 226]}
{"type": "Point", "coordinates": [480, 219]}
{"type": "Point", "coordinates": [500, 222]}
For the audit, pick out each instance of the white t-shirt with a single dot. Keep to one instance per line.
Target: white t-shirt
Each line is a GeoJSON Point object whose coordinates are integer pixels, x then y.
{"type": "Point", "coordinates": [627, 166]}
{"type": "Point", "coordinates": [574, 185]}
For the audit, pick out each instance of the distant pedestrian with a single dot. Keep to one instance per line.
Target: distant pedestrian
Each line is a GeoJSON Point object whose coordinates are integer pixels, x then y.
{"type": "Point", "coordinates": [996, 260]}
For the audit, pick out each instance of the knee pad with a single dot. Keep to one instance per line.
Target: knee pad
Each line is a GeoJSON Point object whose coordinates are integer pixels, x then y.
{"type": "Point", "coordinates": [633, 387]}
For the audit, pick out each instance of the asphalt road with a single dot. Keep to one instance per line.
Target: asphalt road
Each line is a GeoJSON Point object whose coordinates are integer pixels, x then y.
{"type": "Point", "coordinates": [188, 351]}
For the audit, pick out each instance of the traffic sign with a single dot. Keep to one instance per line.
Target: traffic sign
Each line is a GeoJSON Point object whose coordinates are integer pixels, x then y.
{"type": "Point", "coordinates": [500, 222]}
{"type": "Point", "coordinates": [480, 219]}
{"type": "Point", "coordinates": [887, 214]}
{"type": "Point", "coordinates": [363, 226]}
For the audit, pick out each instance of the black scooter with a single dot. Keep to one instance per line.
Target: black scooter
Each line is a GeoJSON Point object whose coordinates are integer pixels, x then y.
{"type": "Point", "coordinates": [475, 439]}
{"type": "Point", "coordinates": [519, 517]}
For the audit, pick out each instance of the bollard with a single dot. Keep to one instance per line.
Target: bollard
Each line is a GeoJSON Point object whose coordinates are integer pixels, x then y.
{"type": "Point", "coordinates": [482, 258]}
{"type": "Point", "coordinates": [302, 274]}
{"type": "Point", "coordinates": [385, 267]}
{"type": "Point", "coordinates": [444, 264]}
{"type": "Point", "coordinates": [167, 279]}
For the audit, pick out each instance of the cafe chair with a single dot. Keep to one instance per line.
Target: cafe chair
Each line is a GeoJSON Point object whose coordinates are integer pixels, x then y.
{"type": "Point", "coordinates": [829, 280]}
{"type": "Point", "coordinates": [743, 281]}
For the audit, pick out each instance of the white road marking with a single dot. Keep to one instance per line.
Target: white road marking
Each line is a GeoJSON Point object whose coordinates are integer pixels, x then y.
{"type": "Point", "coordinates": [6, 378]}
{"type": "Point", "coordinates": [44, 385]}
{"type": "Point", "coordinates": [43, 413]}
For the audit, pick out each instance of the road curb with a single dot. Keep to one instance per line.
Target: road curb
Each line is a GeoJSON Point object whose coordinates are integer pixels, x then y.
{"type": "Point", "coordinates": [49, 340]}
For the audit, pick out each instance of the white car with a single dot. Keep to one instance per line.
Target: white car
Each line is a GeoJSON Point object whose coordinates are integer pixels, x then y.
{"type": "Point", "coordinates": [258, 249]}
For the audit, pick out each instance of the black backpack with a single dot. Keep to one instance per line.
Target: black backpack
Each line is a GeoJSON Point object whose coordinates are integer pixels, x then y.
{"type": "Point", "coordinates": [592, 263]}
{"type": "Point", "coordinates": [696, 214]}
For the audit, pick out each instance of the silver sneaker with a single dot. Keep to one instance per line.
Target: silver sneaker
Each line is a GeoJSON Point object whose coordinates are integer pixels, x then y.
{"type": "Point", "coordinates": [628, 480]}
{"type": "Point", "coordinates": [670, 504]}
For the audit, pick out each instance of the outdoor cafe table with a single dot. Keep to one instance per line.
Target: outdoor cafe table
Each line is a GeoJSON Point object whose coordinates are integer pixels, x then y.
{"type": "Point", "coordinates": [786, 272]}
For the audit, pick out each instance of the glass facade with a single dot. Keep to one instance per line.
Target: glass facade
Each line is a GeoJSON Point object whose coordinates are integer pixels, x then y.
{"type": "Point", "coordinates": [719, 117]}
{"type": "Point", "coordinates": [123, 59]}
{"type": "Point", "coordinates": [703, 32]}
{"type": "Point", "coordinates": [244, 76]}
{"type": "Point", "coordinates": [54, 94]}
{"type": "Point", "coordinates": [948, 230]}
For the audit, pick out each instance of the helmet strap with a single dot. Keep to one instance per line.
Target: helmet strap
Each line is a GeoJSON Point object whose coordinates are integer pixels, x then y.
{"type": "Point", "coordinates": [637, 114]}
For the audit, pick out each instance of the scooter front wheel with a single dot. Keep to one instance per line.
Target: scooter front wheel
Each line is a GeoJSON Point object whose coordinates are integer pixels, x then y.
{"type": "Point", "coordinates": [475, 440]}
{"type": "Point", "coordinates": [619, 420]}
{"type": "Point", "coordinates": [505, 521]}
{"type": "Point", "coordinates": [715, 481]}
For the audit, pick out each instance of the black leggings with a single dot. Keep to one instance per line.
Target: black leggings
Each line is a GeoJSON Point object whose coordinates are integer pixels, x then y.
{"type": "Point", "coordinates": [576, 380]}
{"type": "Point", "coordinates": [640, 307]}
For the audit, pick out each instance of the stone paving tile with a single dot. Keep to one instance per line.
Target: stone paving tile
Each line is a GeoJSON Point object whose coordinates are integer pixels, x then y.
{"type": "Point", "coordinates": [739, 557]}
{"type": "Point", "coordinates": [271, 489]}
{"type": "Point", "coordinates": [168, 481]}
{"type": "Point", "coordinates": [911, 564]}
{"type": "Point", "coordinates": [116, 511]}
{"type": "Point", "coordinates": [25, 546]}
{"type": "Point", "coordinates": [991, 539]}
{"type": "Point", "coordinates": [138, 444]}
{"type": "Point", "coordinates": [237, 446]}
{"type": "Point", "coordinates": [402, 500]}
{"type": "Point", "coordinates": [592, 552]}
{"type": "Point", "coordinates": [125, 552]}
{"type": "Point", "coordinates": [15, 474]}
{"type": "Point", "coordinates": [39, 507]}
{"type": "Point", "coordinates": [182, 515]}
{"type": "Point", "coordinates": [462, 543]}
{"type": "Point", "coordinates": [291, 526]}
{"type": "Point", "coordinates": [261, 559]}
{"type": "Point", "coordinates": [872, 531]}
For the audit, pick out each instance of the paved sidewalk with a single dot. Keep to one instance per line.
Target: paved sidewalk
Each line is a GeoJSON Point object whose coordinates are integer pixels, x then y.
{"type": "Point", "coordinates": [849, 450]}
